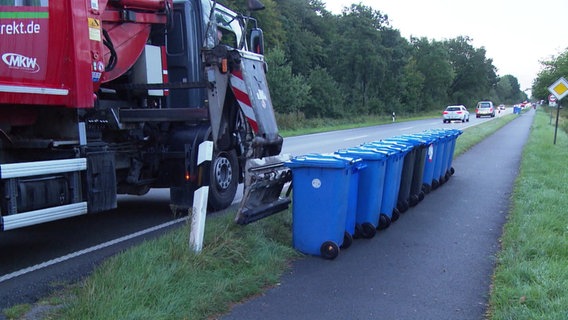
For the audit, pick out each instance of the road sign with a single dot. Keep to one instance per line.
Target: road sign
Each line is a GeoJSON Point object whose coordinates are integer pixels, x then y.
{"type": "Point", "coordinates": [559, 88]}
{"type": "Point", "coordinates": [551, 98]}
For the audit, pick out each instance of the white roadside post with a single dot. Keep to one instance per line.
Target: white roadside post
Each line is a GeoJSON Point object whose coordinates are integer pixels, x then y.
{"type": "Point", "coordinates": [199, 210]}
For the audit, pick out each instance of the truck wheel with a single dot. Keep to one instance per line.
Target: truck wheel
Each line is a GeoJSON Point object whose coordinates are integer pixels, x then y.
{"type": "Point", "coordinates": [224, 179]}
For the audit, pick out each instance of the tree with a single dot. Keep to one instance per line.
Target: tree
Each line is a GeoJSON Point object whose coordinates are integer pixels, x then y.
{"type": "Point", "coordinates": [508, 90]}
{"type": "Point", "coordinates": [413, 87]}
{"type": "Point", "coordinates": [326, 96]}
{"type": "Point", "coordinates": [309, 32]}
{"type": "Point", "coordinates": [433, 62]}
{"type": "Point", "coordinates": [551, 71]}
{"type": "Point", "coordinates": [358, 61]}
{"type": "Point", "coordinates": [289, 92]}
{"type": "Point", "coordinates": [475, 75]}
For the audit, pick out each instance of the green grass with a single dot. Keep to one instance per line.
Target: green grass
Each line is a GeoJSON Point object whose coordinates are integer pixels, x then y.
{"type": "Point", "coordinates": [476, 134]}
{"type": "Point", "coordinates": [164, 279]}
{"type": "Point", "coordinates": [531, 279]}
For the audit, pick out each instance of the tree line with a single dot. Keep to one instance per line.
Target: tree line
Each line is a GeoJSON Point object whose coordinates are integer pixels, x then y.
{"type": "Point", "coordinates": [552, 70]}
{"type": "Point", "coordinates": [325, 65]}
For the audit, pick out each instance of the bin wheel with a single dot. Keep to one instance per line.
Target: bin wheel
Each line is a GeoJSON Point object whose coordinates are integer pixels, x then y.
{"type": "Point", "coordinates": [347, 240]}
{"type": "Point", "coordinates": [402, 206]}
{"type": "Point", "coordinates": [452, 171]}
{"type": "Point", "coordinates": [396, 212]}
{"type": "Point", "coordinates": [395, 215]}
{"type": "Point", "coordinates": [384, 221]}
{"type": "Point", "coordinates": [329, 250]}
{"type": "Point", "coordinates": [421, 196]}
{"type": "Point", "coordinates": [414, 199]}
{"type": "Point", "coordinates": [435, 184]}
{"type": "Point", "coordinates": [427, 188]}
{"type": "Point", "coordinates": [448, 175]}
{"type": "Point", "coordinates": [368, 230]}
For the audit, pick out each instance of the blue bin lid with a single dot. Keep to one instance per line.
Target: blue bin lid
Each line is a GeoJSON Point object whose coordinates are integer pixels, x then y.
{"type": "Point", "coordinates": [431, 137]}
{"type": "Point", "coordinates": [440, 133]}
{"type": "Point", "coordinates": [390, 150]}
{"type": "Point", "coordinates": [456, 132]}
{"type": "Point", "coordinates": [420, 141]}
{"type": "Point", "coordinates": [355, 162]}
{"type": "Point", "coordinates": [403, 146]}
{"type": "Point", "coordinates": [425, 137]}
{"type": "Point", "coordinates": [404, 141]}
{"type": "Point", "coordinates": [365, 154]}
{"type": "Point", "coordinates": [317, 161]}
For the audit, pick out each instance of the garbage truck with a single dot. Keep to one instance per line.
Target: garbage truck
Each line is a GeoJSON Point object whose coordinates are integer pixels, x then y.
{"type": "Point", "coordinates": [100, 98]}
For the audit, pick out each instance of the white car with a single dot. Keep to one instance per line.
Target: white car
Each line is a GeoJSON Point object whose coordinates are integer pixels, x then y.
{"type": "Point", "coordinates": [457, 112]}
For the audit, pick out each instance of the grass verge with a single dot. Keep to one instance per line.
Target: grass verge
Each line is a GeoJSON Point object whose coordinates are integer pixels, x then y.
{"type": "Point", "coordinates": [531, 278]}
{"type": "Point", "coordinates": [163, 279]}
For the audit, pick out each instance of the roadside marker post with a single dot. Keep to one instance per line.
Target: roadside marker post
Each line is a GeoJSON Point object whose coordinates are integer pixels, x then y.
{"type": "Point", "coordinates": [199, 210]}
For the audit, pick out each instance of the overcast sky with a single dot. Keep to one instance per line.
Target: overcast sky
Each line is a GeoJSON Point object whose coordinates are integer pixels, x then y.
{"type": "Point", "coordinates": [516, 34]}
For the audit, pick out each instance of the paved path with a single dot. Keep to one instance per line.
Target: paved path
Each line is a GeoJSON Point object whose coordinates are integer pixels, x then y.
{"type": "Point", "coordinates": [435, 262]}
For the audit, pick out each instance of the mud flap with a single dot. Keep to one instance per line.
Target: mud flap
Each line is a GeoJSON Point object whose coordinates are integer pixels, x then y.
{"type": "Point", "coordinates": [265, 181]}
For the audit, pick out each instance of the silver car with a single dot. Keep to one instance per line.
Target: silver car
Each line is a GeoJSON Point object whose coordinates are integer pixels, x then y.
{"type": "Point", "coordinates": [457, 112]}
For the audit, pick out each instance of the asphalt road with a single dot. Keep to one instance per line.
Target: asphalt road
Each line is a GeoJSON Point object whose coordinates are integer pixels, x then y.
{"type": "Point", "coordinates": [39, 259]}
{"type": "Point", "coordinates": [435, 262]}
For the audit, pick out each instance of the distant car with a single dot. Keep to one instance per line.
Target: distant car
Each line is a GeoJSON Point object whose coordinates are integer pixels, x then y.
{"type": "Point", "coordinates": [458, 112]}
{"type": "Point", "coordinates": [485, 108]}
{"type": "Point", "coordinates": [501, 107]}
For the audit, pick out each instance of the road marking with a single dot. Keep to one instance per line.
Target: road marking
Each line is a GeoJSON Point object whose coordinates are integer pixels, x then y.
{"type": "Point", "coordinates": [355, 138]}
{"type": "Point", "coordinates": [88, 250]}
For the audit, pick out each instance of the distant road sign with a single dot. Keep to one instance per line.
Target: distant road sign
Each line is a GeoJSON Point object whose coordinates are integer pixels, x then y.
{"type": "Point", "coordinates": [559, 88]}
{"type": "Point", "coordinates": [551, 98]}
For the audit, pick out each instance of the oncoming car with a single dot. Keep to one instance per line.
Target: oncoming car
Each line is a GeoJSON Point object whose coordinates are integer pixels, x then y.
{"type": "Point", "coordinates": [458, 112]}
{"type": "Point", "coordinates": [485, 108]}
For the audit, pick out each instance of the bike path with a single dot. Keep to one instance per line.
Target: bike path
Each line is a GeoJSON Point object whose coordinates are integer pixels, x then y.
{"type": "Point", "coordinates": [435, 262]}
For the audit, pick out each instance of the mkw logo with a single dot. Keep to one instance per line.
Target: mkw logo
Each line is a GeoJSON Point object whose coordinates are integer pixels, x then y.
{"type": "Point", "coordinates": [20, 62]}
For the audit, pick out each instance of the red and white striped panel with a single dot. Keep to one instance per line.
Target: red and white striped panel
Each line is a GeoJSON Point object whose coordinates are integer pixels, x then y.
{"type": "Point", "coordinates": [240, 91]}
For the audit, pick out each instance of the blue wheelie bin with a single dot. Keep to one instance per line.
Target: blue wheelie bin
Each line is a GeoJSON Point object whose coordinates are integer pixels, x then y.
{"type": "Point", "coordinates": [369, 196]}
{"type": "Point", "coordinates": [449, 137]}
{"type": "Point", "coordinates": [393, 173]}
{"type": "Point", "coordinates": [439, 157]}
{"type": "Point", "coordinates": [448, 154]}
{"type": "Point", "coordinates": [417, 191]}
{"type": "Point", "coordinates": [356, 165]}
{"type": "Point", "coordinates": [407, 173]}
{"type": "Point", "coordinates": [455, 133]}
{"type": "Point", "coordinates": [320, 203]}
{"type": "Point", "coordinates": [430, 160]}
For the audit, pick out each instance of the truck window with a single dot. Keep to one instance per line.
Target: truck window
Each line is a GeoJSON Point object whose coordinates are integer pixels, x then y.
{"type": "Point", "coordinates": [229, 30]}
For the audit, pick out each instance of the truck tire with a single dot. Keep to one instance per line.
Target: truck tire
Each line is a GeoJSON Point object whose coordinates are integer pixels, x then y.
{"type": "Point", "coordinates": [224, 179]}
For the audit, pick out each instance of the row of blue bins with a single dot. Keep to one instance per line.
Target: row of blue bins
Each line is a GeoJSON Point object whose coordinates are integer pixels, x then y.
{"type": "Point", "coordinates": [356, 191]}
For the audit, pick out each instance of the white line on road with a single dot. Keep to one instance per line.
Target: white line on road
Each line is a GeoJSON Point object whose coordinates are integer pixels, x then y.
{"type": "Point", "coordinates": [356, 138]}
{"type": "Point", "coordinates": [85, 251]}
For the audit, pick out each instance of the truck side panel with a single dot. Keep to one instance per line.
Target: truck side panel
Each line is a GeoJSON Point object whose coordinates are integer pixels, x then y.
{"type": "Point", "coordinates": [46, 55]}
